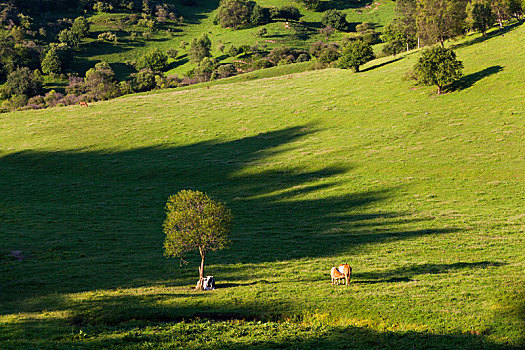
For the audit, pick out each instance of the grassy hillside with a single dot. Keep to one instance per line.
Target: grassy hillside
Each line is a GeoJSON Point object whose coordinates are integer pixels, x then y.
{"type": "Point", "coordinates": [198, 20]}
{"type": "Point", "coordinates": [421, 194]}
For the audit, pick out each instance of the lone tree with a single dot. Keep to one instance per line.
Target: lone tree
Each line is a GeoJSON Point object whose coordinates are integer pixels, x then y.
{"type": "Point", "coordinates": [438, 66]}
{"type": "Point", "coordinates": [194, 221]}
{"type": "Point", "coordinates": [355, 54]}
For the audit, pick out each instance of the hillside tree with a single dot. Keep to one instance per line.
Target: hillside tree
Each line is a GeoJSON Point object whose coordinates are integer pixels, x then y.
{"type": "Point", "coordinates": [438, 66]}
{"type": "Point", "coordinates": [200, 48]}
{"type": "Point", "coordinates": [439, 20]}
{"type": "Point", "coordinates": [194, 221]}
{"type": "Point", "coordinates": [354, 54]}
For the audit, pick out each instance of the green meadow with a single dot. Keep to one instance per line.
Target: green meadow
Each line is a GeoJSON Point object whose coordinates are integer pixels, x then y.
{"type": "Point", "coordinates": [422, 195]}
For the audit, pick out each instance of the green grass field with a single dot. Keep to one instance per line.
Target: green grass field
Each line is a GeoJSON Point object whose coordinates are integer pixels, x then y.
{"type": "Point", "coordinates": [422, 195]}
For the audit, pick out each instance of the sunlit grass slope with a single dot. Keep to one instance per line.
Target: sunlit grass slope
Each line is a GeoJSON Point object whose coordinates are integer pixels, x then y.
{"type": "Point", "coordinates": [422, 195]}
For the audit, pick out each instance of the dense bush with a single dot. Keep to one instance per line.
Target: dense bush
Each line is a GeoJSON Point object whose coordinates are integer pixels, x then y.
{"type": "Point", "coordinates": [235, 13]}
{"type": "Point", "coordinates": [144, 80]}
{"type": "Point", "coordinates": [260, 15]}
{"type": "Point", "coordinates": [107, 36]}
{"type": "Point", "coordinates": [154, 60]}
{"type": "Point", "coordinates": [286, 12]}
{"type": "Point", "coordinates": [336, 19]}
{"type": "Point", "coordinates": [23, 82]}
{"type": "Point", "coordinates": [329, 54]}
{"type": "Point", "coordinates": [200, 48]}
{"type": "Point", "coordinates": [52, 63]}
{"type": "Point", "coordinates": [355, 54]}
{"type": "Point", "coordinates": [225, 71]}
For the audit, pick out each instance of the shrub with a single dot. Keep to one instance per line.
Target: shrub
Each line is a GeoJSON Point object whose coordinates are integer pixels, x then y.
{"type": "Point", "coordinates": [144, 80]}
{"type": "Point", "coordinates": [329, 54]}
{"type": "Point", "coordinates": [355, 54]}
{"type": "Point", "coordinates": [313, 5]}
{"type": "Point", "coordinates": [290, 13]}
{"type": "Point", "coordinates": [200, 48]}
{"type": "Point", "coordinates": [260, 15]}
{"type": "Point", "coordinates": [226, 70]}
{"type": "Point", "coordinates": [336, 19]}
{"type": "Point", "coordinates": [195, 222]}
{"type": "Point", "coordinates": [304, 57]}
{"type": "Point", "coordinates": [234, 13]}
{"type": "Point", "coordinates": [107, 36]}
{"type": "Point", "coordinates": [438, 66]}
{"type": "Point", "coordinates": [279, 53]}
{"type": "Point", "coordinates": [154, 60]}
{"type": "Point", "coordinates": [205, 69]}
{"type": "Point", "coordinates": [172, 53]}
{"type": "Point", "coordinates": [23, 81]}
{"type": "Point", "coordinates": [261, 63]}
{"type": "Point", "coordinates": [80, 27]}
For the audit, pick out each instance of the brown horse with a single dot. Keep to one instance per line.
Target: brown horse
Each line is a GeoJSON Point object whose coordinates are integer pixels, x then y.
{"type": "Point", "coordinates": [344, 271]}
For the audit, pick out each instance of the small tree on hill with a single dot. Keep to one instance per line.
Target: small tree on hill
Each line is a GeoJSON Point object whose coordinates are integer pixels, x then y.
{"type": "Point", "coordinates": [200, 48]}
{"type": "Point", "coordinates": [155, 60]}
{"type": "Point", "coordinates": [194, 221]}
{"type": "Point", "coordinates": [438, 66]}
{"type": "Point", "coordinates": [355, 54]}
{"type": "Point", "coordinates": [334, 18]}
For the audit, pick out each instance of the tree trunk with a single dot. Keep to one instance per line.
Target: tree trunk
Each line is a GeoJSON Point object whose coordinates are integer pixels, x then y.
{"type": "Point", "coordinates": [439, 90]}
{"type": "Point", "coordinates": [201, 271]}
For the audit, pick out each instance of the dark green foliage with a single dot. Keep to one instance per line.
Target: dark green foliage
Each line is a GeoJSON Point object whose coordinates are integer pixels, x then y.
{"type": "Point", "coordinates": [200, 48]}
{"type": "Point", "coordinates": [480, 16]}
{"type": "Point", "coordinates": [329, 54]}
{"type": "Point", "coordinates": [235, 13]}
{"type": "Point", "coordinates": [438, 66]}
{"type": "Point", "coordinates": [144, 80]}
{"type": "Point", "coordinates": [289, 13]}
{"type": "Point", "coordinates": [355, 54]}
{"type": "Point", "coordinates": [194, 221]}
{"type": "Point", "coordinates": [279, 53]}
{"type": "Point", "coordinates": [225, 70]}
{"type": "Point", "coordinates": [23, 81]}
{"type": "Point", "coordinates": [261, 63]}
{"type": "Point", "coordinates": [303, 57]}
{"type": "Point", "coordinates": [335, 19]}
{"type": "Point", "coordinates": [260, 15]}
{"type": "Point", "coordinates": [154, 60]}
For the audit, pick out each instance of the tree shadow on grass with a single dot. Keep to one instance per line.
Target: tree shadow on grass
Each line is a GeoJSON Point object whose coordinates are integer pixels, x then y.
{"type": "Point", "coordinates": [382, 64]}
{"type": "Point", "coordinates": [408, 273]}
{"type": "Point", "coordinates": [490, 35]}
{"type": "Point", "coordinates": [469, 80]}
{"type": "Point", "coordinates": [93, 219]}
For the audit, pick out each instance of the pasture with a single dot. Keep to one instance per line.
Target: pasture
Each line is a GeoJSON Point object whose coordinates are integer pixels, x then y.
{"type": "Point", "coordinates": [422, 195]}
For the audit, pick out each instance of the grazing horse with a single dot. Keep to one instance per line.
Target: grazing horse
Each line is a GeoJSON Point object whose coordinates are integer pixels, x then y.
{"type": "Point", "coordinates": [344, 271]}
{"type": "Point", "coordinates": [83, 104]}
